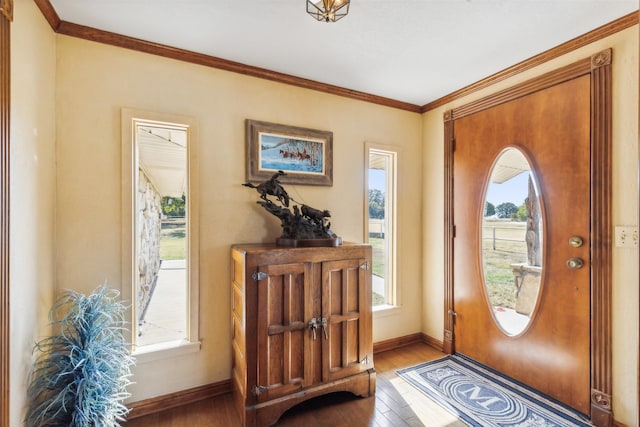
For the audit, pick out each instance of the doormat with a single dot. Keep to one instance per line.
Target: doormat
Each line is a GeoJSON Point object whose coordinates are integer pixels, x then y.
{"type": "Point", "coordinates": [482, 397]}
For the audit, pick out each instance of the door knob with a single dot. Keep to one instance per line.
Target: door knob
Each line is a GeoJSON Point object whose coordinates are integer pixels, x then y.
{"type": "Point", "coordinates": [575, 263]}
{"type": "Point", "coordinates": [575, 241]}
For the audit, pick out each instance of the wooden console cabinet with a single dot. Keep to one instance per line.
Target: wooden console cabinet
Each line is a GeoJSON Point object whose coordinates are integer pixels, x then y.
{"type": "Point", "coordinates": [301, 320]}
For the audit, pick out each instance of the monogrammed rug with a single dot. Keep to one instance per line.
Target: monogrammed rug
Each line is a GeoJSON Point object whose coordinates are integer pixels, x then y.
{"type": "Point", "coordinates": [481, 397]}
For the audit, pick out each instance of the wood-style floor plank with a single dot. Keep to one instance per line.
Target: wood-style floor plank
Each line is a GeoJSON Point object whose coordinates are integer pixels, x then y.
{"type": "Point", "coordinates": [396, 403]}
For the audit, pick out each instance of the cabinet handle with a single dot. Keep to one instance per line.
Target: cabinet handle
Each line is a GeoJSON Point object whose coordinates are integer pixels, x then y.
{"type": "Point", "coordinates": [313, 325]}
{"type": "Point", "coordinates": [323, 322]}
{"type": "Point", "coordinates": [257, 390]}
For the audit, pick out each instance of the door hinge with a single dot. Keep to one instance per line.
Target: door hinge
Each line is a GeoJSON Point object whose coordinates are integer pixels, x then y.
{"type": "Point", "coordinates": [365, 360]}
{"type": "Point", "coordinates": [259, 275]}
{"type": "Point", "coordinates": [257, 390]}
{"type": "Point", "coordinates": [365, 266]}
{"type": "Point", "coordinates": [453, 144]}
{"type": "Point", "coordinates": [453, 231]}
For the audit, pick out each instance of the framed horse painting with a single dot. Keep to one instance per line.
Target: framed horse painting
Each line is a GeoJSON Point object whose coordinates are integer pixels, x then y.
{"type": "Point", "coordinates": [304, 155]}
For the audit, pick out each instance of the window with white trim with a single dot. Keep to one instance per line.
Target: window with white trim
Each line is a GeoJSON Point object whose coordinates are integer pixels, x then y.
{"type": "Point", "coordinates": [380, 214]}
{"type": "Point", "coordinates": [160, 249]}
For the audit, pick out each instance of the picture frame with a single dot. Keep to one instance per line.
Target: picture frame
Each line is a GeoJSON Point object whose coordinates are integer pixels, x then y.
{"type": "Point", "coordinates": [305, 155]}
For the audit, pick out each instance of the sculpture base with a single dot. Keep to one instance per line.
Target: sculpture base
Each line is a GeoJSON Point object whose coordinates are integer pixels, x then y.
{"type": "Point", "coordinates": [309, 243]}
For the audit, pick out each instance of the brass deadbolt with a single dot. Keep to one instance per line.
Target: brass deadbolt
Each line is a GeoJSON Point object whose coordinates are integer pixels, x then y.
{"type": "Point", "coordinates": [575, 241]}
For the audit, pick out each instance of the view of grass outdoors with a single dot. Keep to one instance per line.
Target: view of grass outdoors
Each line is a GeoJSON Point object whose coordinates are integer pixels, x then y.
{"type": "Point", "coordinates": [173, 239]}
{"type": "Point", "coordinates": [173, 244]}
{"type": "Point", "coordinates": [511, 242]}
{"type": "Point", "coordinates": [378, 257]}
{"type": "Point", "coordinates": [505, 252]}
{"type": "Point", "coordinates": [381, 212]}
{"type": "Point", "coordinates": [508, 248]}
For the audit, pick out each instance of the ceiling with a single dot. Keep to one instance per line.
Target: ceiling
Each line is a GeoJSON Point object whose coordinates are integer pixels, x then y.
{"type": "Point", "coordinates": [413, 51]}
{"type": "Point", "coordinates": [162, 155]}
{"type": "Point", "coordinates": [510, 164]}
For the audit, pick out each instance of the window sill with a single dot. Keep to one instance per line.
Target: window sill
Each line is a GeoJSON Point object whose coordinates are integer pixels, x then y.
{"type": "Point", "coordinates": [385, 310]}
{"type": "Point", "coordinates": [165, 350]}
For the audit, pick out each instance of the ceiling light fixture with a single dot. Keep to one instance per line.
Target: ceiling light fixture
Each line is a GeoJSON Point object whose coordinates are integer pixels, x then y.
{"type": "Point", "coordinates": [328, 10]}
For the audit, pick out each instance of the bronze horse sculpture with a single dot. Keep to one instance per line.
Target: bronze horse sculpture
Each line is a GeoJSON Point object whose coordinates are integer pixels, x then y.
{"type": "Point", "coordinates": [304, 223]}
{"type": "Point", "coordinates": [272, 187]}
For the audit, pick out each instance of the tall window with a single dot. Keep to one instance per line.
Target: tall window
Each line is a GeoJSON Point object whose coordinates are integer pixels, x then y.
{"type": "Point", "coordinates": [160, 224]}
{"type": "Point", "coordinates": [381, 223]}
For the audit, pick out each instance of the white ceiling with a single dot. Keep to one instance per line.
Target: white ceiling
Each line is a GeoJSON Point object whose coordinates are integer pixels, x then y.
{"type": "Point", "coordinates": [414, 51]}
{"type": "Point", "coordinates": [510, 164]}
{"type": "Point", "coordinates": [162, 155]}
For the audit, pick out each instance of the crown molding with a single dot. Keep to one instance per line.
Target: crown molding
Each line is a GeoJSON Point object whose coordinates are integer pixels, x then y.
{"type": "Point", "coordinates": [49, 13]}
{"type": "Point", "coordinates": [576, 43]}
{"type": "Point", "coordinates": [105, 37]}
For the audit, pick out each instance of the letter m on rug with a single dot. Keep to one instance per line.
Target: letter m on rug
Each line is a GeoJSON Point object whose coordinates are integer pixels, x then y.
{"type": "Point", "coordinates": [478, 396]}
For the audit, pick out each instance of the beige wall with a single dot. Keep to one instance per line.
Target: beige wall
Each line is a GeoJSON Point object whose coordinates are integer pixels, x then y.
{"type": "Point", "coordinates": [95, 81]}
{"type": "Point", "coordinates": [32, 191]}
{"type": "Point", "coordinates": [625, 211]}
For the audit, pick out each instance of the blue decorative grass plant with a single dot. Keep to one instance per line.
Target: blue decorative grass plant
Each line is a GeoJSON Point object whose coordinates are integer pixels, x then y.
{"type": "Point", "coordinates": [80, 375]}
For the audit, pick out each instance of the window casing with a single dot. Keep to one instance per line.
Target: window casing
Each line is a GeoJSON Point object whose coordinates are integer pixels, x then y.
{"type": "Point", "coordinates": [140, 166]}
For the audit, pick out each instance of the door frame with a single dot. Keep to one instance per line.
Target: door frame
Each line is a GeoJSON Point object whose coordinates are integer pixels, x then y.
{"type": "Point", "coordinates": [598, 66]}
{"type": "Point", "coordinates": [6, 16]}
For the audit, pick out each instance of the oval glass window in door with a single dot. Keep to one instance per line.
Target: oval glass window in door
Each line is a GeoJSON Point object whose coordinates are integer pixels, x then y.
{"type": "Point", "coordinates": [512, 230]}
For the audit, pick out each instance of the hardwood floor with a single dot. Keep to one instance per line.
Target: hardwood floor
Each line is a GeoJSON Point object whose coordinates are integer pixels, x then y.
{"type": "Point", "coordinates": [396, 403]}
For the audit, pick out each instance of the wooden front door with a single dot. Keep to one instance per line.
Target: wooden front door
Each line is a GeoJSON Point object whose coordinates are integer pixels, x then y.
{"type": "Point", "coordinates": [552, 128]}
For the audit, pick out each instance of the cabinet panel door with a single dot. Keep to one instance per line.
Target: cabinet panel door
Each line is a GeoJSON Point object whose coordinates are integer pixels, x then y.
{"type": "Point", "coordinates": [282, 329]}
{"type": "Point", "coordinates": [345, 306]}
